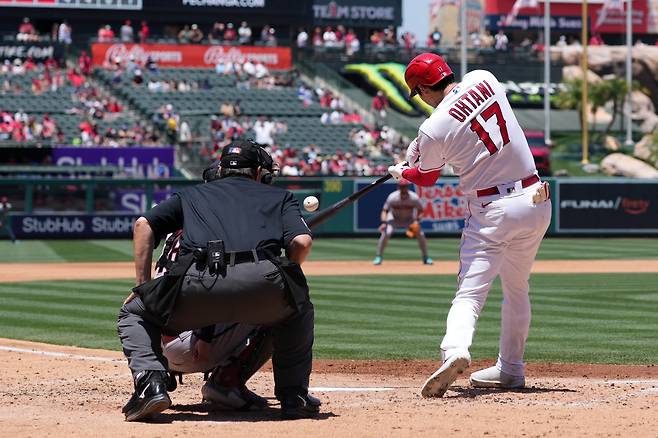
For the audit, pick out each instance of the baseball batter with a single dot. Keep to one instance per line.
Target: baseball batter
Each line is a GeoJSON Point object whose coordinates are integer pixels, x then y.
{"type": "Point", "coordinates": [474, 130]}
{"type": "Point", "coordinates": [402, 209]}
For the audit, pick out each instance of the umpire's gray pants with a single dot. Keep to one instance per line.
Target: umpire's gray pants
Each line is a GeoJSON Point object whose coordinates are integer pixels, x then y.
{"type": "Point", "coordinates": [252, 293]}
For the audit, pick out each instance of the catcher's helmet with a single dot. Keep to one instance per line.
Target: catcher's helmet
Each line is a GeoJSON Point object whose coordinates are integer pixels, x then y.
{"type": "Point", "coordinates": [425, 69]}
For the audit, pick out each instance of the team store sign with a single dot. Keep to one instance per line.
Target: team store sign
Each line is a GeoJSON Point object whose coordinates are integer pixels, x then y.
{"type": "Point", "coordinates": [175, 55]}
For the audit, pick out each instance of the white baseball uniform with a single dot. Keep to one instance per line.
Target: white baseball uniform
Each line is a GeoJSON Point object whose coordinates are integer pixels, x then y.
{"type": "Point", "coordinates": [475, 131]}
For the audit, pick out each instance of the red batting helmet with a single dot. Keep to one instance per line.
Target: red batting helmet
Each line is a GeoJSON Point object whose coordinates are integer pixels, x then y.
{"type": "Point", "coordinates": [425, 69]}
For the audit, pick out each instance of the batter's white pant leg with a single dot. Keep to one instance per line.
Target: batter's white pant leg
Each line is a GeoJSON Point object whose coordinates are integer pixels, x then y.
{"type": "Point", "coordinates": [480, 260]}
{"type": "Point", "coordinates": [532, 222]}
{"type": "Point", "coordinates": [383, 240]}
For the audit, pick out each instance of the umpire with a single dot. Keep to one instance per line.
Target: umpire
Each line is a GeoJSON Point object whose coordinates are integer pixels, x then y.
{"type": "Point", "coordinates": [229, 270]}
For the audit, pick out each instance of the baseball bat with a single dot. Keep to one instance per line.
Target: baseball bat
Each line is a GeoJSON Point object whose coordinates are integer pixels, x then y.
{"type": "Point", "coordinates": [322, 216]}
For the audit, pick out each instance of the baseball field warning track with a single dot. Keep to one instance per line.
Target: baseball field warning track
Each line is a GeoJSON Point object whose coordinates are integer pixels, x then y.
{"type": "Point", "coordinates": [12, 272]}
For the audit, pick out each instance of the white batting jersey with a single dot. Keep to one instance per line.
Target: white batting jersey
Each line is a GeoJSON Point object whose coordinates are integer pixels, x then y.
{"type": "Point", "coordinates": [475, 131]}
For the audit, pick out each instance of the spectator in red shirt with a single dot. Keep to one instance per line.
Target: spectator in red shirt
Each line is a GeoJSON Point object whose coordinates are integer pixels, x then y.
{"type": "Point", "coordinates": [84, 63]}
{"type": "Point", "coordinates": [76, 79]}
{"type": "Point", "coordinates": [26, 31]}
{"type": "Point", "coordinates": [105, 34]}
{"type": "Point", "coordinates": [36, 86]}
{"type": "Point", "coordinates": [230, 35]}
{"type": "Point", "coordinates": [29, 65]}
{"type": "Point", "coordinates": [340, 34]}
{"type": "Point", "coordinates": [596, 40]}
{"type": "Point", "coordinates": [50, 63]}
{"type": "Point", "coordinates": [377, 38]}
{"type": "Point", "coordinates": [144, 32]}
{"type": "Point", "coordinates": [113, 106]}
{"type": "Point", "coordinates": [49, 127]}
{"type": "Point", "coordinates": [317, 39]}
{"type": "Point", "coordinates": [379, 104]}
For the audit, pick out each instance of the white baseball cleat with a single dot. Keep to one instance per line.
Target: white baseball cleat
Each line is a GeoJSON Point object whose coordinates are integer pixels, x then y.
{"type": "Point", "coordinates": [494, 378]}
{"type": "Point", "coordinates": [440, 381]}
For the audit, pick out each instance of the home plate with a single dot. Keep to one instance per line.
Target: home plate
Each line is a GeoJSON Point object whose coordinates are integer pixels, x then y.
{"type": "Point", "coordinates": [334, 389]}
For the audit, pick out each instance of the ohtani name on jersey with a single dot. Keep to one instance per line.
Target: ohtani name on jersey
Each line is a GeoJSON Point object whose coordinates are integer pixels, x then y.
{"type": "Point", "coordinates": [471, 100]}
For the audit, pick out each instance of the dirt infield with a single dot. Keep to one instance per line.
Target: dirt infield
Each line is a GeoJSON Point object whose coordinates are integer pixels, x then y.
{"type": "Point", "coordinates": [11, 272]}
{"type": "Point", "coordinates": [65, 391]}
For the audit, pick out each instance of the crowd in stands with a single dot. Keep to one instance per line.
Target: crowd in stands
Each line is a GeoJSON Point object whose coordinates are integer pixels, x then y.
{"type": "Point", "coordinates": [247, 74]}
{"type": "Point", "coordinates": [128, 134]}
{"type": "Point", "coordinates": [372, 148]}
{"type": "Point", "coordinates": [228, 34]}
{"type": "Point", "coordinates": [218, 33]}
{"type": "Point", "coordinates": [126, 33]}
{"type": "Point", "coordinates": [81, 98]}
{"type": "Point", "coordinates": [21, 127]}
{"type": "Point", "coordinates": [61, 32]}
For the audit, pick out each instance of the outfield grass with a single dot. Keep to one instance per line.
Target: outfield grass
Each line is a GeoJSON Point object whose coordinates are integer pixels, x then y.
{"type": "Point", "coordinates": [47, 251]}
{"type": "Point", "coordinates": [588, 318]}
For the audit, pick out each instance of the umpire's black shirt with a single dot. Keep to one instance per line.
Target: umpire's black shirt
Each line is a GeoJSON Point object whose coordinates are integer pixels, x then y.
{"type": "Point", "coordinates": [242, 212]}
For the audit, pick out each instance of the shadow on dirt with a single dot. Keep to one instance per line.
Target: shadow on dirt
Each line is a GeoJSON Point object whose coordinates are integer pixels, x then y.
{"type": "Point", "coordinates": [202, 412]}
{"type": "Point", "coordinates": [468, 392]}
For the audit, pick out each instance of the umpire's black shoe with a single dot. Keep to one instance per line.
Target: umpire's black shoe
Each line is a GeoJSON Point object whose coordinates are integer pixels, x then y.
{"type": "Point", "coordinates": [295, 406]}
{"type": "Point", "coordinates": [150, 396]}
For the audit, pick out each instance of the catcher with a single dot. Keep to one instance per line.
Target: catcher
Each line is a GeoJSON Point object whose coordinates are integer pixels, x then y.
{"type": "Point", "coordinates": [402, 209]}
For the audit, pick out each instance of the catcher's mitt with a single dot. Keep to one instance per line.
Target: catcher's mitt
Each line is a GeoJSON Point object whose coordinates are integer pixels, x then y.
{"type": "Point", "coordinates": [413, 230]}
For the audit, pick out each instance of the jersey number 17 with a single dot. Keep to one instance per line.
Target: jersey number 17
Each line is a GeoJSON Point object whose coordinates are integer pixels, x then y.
{"type": "Point", "coordinates": [487, 113]}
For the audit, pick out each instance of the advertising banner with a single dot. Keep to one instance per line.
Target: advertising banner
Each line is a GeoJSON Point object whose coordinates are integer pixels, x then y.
{"type": "Point", "coordinates": [36, 51]}
{"type": "Point", "coordinates": [149, 162]}
{"type": "Point", "coordinates": [366, 13]}
{"type": "Point", "coordinates": [175, 55]}
{"type": "Point", "coordinates": [135, 201]}
{"type": "Point", "coordinates": [444, 207]}
{"type": "Point", "coordinates": [77, 4]}
{"type": "Point", "coordinates": [298, 11]}
{"type": "Point", "coordinates": [565, 14]}
{"type": "Point", "coordinates": [529, 22]}
{"type": "Point", "coordinates": [623, 207]}
{"type": "Point", "coordinates": [61, 226]}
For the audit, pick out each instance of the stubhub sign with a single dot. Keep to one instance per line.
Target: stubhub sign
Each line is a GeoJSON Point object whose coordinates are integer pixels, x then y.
{"type": "Point", "coordinates": [54, 226]}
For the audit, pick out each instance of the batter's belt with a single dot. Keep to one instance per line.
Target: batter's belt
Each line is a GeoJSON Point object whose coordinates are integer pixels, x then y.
{"type": "Point", "coordinates": [490, 191]}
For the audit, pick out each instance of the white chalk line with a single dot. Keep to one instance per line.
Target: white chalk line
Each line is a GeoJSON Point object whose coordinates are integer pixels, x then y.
{"type": "Point", "coordinates": [321, 388]}
{"type": "Point", "coordinates": [348, 389]}
{"type": "Point", "coordinates": [629, 382]}
{"type": "Point", "coordinates": [107, 359]}
{"type": "Point", "coordinates": [60, 355]}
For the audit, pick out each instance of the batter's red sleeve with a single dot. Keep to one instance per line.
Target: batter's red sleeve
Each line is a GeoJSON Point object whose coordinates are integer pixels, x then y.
{"type": "Point", "coordinates": [420, 178]}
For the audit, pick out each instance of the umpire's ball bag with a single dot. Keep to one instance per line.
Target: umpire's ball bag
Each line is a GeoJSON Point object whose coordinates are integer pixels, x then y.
{"type": "Point", "coordinates": [159, 295]}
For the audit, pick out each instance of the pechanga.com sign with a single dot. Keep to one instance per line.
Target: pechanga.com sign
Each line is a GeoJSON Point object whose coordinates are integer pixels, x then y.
{"type": "Point", "coordinates": [444, 207]}
{"type": "Point", "coordinates": [273, 12]}
{"type": "Point", "coordinates": [39, 52]}
{"type": "Point", "coordinates": [226, 3]}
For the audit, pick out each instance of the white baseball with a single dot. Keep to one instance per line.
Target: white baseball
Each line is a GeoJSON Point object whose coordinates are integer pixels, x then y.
{"type": "Point", "coordinates": [311, 203]}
